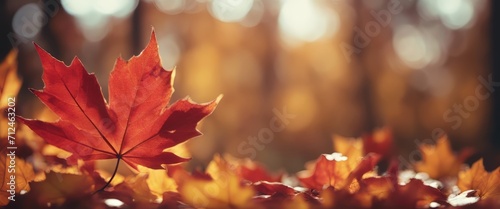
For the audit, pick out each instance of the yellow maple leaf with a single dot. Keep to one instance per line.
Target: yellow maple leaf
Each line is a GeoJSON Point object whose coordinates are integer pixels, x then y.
{"type": "Point", "coordinates": [224, 190]}
{"type": "Point", "coordinates": [138, 186]}
{"type": "Point", "coordinates": [158, 181]}
{"type": "Point", "coordinates": [350, 147]}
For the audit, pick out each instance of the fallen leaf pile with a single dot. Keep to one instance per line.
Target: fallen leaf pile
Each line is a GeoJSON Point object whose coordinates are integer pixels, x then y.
{"type": "Point", "coordinates": [137, 125]}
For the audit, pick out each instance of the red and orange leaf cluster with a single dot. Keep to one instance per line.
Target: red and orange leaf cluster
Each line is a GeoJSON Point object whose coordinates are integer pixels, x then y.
{"type": "Point", "coordinates": [138, 126]}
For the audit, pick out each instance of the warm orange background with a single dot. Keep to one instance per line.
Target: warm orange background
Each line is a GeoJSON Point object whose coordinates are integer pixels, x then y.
{"type": "Point", "coordinates": [267, 55]}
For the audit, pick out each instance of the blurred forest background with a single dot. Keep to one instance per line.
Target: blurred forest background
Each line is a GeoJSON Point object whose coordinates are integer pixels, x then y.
{"type": "Point", "coordinates": [341, 67]}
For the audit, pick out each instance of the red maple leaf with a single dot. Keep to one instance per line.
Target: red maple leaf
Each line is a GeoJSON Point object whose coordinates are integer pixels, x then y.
{"type": "Point", "coordinates": [135, 126]}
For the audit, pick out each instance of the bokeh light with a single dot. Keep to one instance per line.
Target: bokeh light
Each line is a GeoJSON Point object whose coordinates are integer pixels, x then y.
{"type": "Point", "coordinates": [169, 51]}
{"type": "Point", "coordinates": [28, 20]}
{"type": "Point", "coordinates": [454, 14]}
{"type": "Point", "coordinates": [410, 46]}
{"type": "Point", "coordinates": [170, 6]}
{"type": "Point", "coordinates": [304, 20]}
{"type": "Point", "coordinates": [93, 15]}
{"type": "Point", "coordinates": [255, 14]}
{"type": "Point", "coordinates": [77, 7]}
{"type": "Point", "coordinates": [230, 10]}
{"type": "Point", "coordinates": [117, 8]}
{"type": "Point", "coordinates": [416, 48]}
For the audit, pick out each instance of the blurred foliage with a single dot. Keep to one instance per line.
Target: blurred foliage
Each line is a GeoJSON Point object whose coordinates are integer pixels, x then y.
{"type": "Point", "coordinates": [412, 62]}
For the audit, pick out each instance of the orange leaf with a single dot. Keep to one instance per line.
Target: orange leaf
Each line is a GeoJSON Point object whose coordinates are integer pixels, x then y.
{"type": "Point", "coordinates": [137, 187]}
{"type": "Point", "coordinates": [158, 181]}
{"type": "Point", "coordinates": [487, 184]}
{"type": "Point", "coordinates": [383, 192]}
{"type": "Point", "coordinates": [224, 190]}
{"type": "Point", "coordinates": [15, 174]}
{"type": "Point", "coordinates": [59, 188]}
{"type": "Point", "coordinates": [350, 147]}
{"type": "Point", "coordinates": [439, 161]}
{"type": "Point", "coordinates": [9, 87]}
{"type": "Point", "coordinates": [9, 81]}
{"type": "Point", "coordinates": [335, 170]}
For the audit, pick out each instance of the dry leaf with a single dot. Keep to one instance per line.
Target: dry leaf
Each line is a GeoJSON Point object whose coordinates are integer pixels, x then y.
{"type": "Point", "coordinates": [9, 80]}
{"type": "Point", "coordinates": [486, 184]}
{"type": "Point", "coordinates": [439, 161]}
{"type": "Point", "coordinates": [58, 188]}
{"type": "Point", "coordinates": [15, 174]}
{"type": "Point", "coordinates": [9, 87]}
{"type": "Point", "coordinates": [158, 181]}
{"type": "Point", "coordinates": [336, 171]}
{"type": "Point", "coordinates": [224, 190]}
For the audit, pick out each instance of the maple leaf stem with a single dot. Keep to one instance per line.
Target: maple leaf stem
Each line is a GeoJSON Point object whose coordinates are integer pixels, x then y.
{"type": "Point", "coordinates": [112, 176]}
